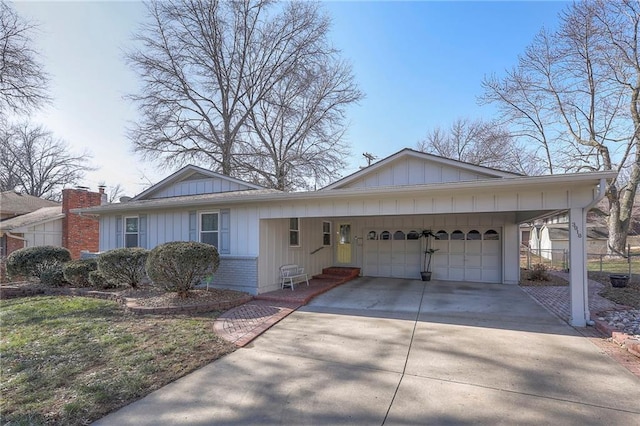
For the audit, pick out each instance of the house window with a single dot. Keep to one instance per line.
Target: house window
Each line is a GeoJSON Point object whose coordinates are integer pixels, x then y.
{"type": "Point", "coordinates": [209, 228]}
{"type": "Point", "coordinates": [326, 233]}
{"type": "Point", "coordinates": [294, 232]}
{"type": "Point", "coordinates": [131, 232]}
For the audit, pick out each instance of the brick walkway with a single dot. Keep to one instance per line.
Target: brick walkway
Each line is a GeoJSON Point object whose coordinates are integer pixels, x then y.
{"type": "Point", "coordinates": [556, 299]}
{"type": "Point", "coordinates": [244, 323]}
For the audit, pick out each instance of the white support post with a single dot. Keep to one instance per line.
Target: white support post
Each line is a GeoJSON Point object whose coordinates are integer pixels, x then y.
{"type": "Point", "coordinates": [578, 281]}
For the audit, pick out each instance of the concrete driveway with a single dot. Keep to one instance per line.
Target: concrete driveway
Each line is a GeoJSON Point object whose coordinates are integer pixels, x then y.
{"type": "Point", "coordinates": [387, 351]}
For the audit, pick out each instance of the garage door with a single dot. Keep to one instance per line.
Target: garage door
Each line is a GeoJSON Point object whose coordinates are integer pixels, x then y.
{"type": "Point", "coordinates": [463, 254]}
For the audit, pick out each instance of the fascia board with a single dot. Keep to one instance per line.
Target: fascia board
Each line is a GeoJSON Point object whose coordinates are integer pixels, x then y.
{"type": "Point", "coordinates": [497, 185]}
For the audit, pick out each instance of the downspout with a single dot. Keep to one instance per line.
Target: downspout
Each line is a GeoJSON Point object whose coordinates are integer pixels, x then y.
{"type": "Point", "coordinates": [601, 192]}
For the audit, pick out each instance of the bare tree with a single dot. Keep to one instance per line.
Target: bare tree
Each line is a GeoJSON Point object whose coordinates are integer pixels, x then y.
{"type": "Point", "coordinates": [32, 160]}
{"type": "Point", "coordinates": [207, 65]}
{"type": "Point", "coordinates": [23, 82]}
{"type": "Point", "coordinates": [576, 92]}
{"type": "Point", "coordinates": [481, 143]}
{"type": "Point", "coordinates": [294, 137]}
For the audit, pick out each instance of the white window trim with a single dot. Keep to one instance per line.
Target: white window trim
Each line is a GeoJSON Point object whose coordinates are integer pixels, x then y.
{"type": "Point", "coordinates": [125, 233]}
{"type": "Point", "coordinates": [294, 230]}
{"type": "Point", "coordinates": [325, 233]}
{"type": "Point", "coordinates": [200, 231]}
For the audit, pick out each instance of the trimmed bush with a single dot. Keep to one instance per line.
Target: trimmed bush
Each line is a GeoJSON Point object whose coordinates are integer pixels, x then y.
{"type": "Point", "coordinates": [98, 280]}
{"type": "Point", "coordinates": [179, 266]}
{"type": "Point", "coordinates": [77, 271]}
{"type": "Point", "coordinates": [123, 265]}
{"type": "Point", "coordinates": [29, 262]}
{"type": "Point", "coordinates": [539, 273]}
{"type": "Point", "coordinates": [51, 274]}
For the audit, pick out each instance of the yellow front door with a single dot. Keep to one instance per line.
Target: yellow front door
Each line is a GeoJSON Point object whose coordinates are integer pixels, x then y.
{"type": "Point", "coordinates": [343, 250]}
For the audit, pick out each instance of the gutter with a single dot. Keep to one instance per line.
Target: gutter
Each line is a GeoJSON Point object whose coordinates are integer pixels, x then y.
{"type": "Point", "coordinates": [602, 189]}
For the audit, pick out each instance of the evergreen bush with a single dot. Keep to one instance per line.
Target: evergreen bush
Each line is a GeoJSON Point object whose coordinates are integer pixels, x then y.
{"type": "Point", "coordinates": [123, 265]}
{"type": "Point", "coordinates": [51, 274]}
{"type": "Point", "coordinates": [98, 280]}
{"type": "Point", "coordinates": [77, 271]}
{"type": "Point", "coordinates": [180, 266]}
{"type": "Point", "coordinates": [31, 261]}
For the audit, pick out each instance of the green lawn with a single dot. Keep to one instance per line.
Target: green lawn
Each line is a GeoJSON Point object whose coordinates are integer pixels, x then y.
{"type": "Point", "coordinates": [71, 360]}
{"type": "Point", "coordinates": [615, 266]}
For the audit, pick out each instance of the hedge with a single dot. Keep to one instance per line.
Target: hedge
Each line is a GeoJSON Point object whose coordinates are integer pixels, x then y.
{"type": "Point", "coordinates": [32, 261]}
{"type": "Point", "coordinates": [179, 266]}
{"type": "Point", "coordinates": [123, 265]}
{"type": "Point", "coordinates": [77, 271]}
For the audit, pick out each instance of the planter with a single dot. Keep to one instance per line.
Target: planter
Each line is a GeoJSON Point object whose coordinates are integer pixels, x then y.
{"type": "Point", "coordinates": [619, 280]}
{"type": "Point", "coordinates": [426, 276]}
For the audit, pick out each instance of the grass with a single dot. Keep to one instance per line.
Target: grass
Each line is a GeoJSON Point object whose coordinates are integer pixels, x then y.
{"type": "Point", "coordinates": [72, 360]}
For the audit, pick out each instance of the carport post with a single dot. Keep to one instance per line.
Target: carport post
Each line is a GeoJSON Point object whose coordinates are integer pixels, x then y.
{"type": "Point", "coordinates": [578, 283]}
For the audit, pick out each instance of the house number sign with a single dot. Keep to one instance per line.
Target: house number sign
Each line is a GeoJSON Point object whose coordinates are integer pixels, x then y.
{"type": "Point", "coordinates": [576, 228]}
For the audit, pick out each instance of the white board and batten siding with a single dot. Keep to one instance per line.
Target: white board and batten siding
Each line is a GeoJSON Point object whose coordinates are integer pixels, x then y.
{"type": "Point", "coordinates": [275, 250]}
{"type": "Point", "coordinates": [198, 186]}
{"type": "Point", "coordinates": [414, 171]}
{"type": "Point", "coordinates": [174, 225]}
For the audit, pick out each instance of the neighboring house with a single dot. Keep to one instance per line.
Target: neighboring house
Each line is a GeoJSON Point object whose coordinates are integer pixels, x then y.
{"type": "Point", "coordinates": [367, 220]}
{"type": "Point", "coordinates": [15, 203]}
{"type": "Point", "coordinates": [31, 221]}
{"type": "Point", "coordinates": [551, 240]}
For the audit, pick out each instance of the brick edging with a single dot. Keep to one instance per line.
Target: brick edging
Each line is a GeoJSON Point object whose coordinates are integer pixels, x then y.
{"type": "Point", "coordinates": [623, 339]}
{"type": "Point", "coordinates": [128, 303]}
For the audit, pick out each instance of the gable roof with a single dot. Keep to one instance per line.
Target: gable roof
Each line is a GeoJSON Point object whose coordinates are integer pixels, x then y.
{"type": "Point", "coordinates": [17, 203]}
{"type": "Point", "coordinates": [410, 153]}
{"type": "Point", "coordinates": [189, 172]}
{"type": "Point", "coordinates": [45, 214]}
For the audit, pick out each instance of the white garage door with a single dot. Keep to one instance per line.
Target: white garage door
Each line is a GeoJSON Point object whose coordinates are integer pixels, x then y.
{"type": "Point", "coordinates": [463, 254]}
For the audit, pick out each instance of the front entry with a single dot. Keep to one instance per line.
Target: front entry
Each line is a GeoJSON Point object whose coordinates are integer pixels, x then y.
{"type": "Point", "coordinates": [344, 246]}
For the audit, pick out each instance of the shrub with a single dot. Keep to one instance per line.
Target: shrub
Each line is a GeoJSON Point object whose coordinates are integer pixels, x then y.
{"type": "Point", "coordinates": [98, 280]}
{"type": "Point", "coordinates": [123, 265]}
{"type": "Point", "coordinates": [77, 271]}
{"type": "Point", "coordinates": [180, 266]}
{"type": "Point", "coordinates": [28, 262]}
{"type": "Point", "coordinates": [539, 273]}
{"type": "Point", "coordinates": [51, 273]}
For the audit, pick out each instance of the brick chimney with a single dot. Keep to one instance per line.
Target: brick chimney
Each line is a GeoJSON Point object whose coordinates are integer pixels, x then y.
{"type": "Point", "coordinates": [80, 232]}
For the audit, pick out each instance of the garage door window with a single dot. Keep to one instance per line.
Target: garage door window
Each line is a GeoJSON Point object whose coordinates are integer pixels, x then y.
{"type": "Point", "coordinates": [413, 235]}
{"type": "Point", "coordinates": [442, 235]}
{"type": "Point", "coordinates": [474, 235]}
{"type": "Point", "coordinates": [457, 235]}
{"type": "Point", "coordinates": [372, 235]}
{"type": "Point", "coordinates": [398, 235]}
{"type": "Point", "coordinates": [385, 235]}
{"type": "Point", "coordinates": [491, 235]}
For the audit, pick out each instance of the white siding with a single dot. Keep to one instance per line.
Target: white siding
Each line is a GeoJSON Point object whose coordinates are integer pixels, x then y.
{"type": "Point", "coordinates": [275, 250]}
{"type": "Point", "coordinates": [45, 234]}
{"type": "Point", "coordinates": [412, 171]}
{"type": "Point", "coordinates": [478, 201]}
{"type": "Point", "coordinates": [199, 186]}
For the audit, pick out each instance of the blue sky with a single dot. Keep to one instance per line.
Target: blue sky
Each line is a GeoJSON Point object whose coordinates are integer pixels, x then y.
{"type": "Point", "coordinates": [420, 65]}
